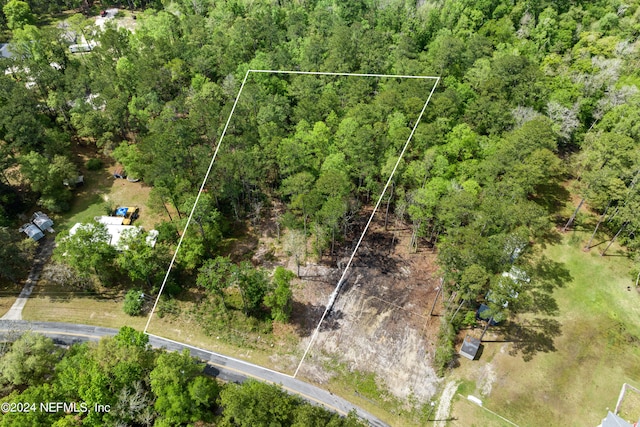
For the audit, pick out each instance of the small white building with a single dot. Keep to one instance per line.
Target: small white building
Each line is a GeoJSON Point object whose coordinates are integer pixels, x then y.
{"type": "Point", "coordinates": [82, 47]}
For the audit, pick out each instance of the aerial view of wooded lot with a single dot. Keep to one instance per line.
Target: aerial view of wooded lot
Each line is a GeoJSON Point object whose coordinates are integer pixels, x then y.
{"type": "Point", "coordinates": [426, 208]}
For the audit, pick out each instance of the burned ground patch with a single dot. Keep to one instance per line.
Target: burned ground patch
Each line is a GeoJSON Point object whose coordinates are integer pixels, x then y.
{"type": "Point", "coordinates": [380, 322]}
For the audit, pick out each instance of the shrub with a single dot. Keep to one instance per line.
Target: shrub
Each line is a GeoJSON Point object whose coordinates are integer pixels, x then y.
{"type": "Point", "coordinates": [94, 164]}
{"type": "Point", "coordinates": [133, 302]}
{"type": "Point", "coordinates": [109, 208]}
{"type": "Point", "coordinates": [171, 288]}
{"type": "Point", "coordinates": [470, 319]}
{"type": "Point", "coordinates": [445, 350]}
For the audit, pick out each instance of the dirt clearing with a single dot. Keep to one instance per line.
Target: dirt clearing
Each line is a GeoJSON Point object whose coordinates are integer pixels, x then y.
{"type": "Point", "coordinates": [380, 322]}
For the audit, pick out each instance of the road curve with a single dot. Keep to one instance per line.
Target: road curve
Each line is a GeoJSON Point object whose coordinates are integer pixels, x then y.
{"type": "Point", "coordinates": [224, 367]}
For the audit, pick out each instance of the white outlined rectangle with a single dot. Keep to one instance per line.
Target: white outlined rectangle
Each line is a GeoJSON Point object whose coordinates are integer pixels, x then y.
{"type": "Point", "coordinates": [336, 290]}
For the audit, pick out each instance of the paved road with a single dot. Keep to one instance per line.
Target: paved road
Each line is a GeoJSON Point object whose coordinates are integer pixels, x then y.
{"type": "Point", "coordinates": [223, 367]}
{"type": "Point", "coordinates": [44, 253]}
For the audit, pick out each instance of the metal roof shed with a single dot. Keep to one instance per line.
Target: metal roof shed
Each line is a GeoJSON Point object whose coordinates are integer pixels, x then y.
{"type": "Point", "coordinates": [470, 347]}
{"type": "Point", "coordinates": [119, 172]}
{"type": "Point", "coordinates": [32, 231]}
{"type": "Point", "coordinates": [612, 420]}
{"type": "Point", "coordinates": [43, 221]}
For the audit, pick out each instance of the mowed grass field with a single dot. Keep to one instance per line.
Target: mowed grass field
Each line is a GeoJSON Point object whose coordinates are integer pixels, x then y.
{"type": "Point", "coordinates": [8, 295]}
{"type": "Point", "coordinates": [598, 350]}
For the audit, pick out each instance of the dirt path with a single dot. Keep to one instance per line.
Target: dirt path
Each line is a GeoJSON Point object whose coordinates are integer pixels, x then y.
{"type": "Point", "coordinates": [44, 253]}
{"type": "Point", "coordinates": [442, 414]}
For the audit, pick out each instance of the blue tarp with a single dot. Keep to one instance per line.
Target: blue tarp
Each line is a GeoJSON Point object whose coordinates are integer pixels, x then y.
{"type": "Point", "coordinates": [121, 211]}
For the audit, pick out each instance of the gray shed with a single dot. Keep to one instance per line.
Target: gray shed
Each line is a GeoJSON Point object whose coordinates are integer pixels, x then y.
{"type": "Point", "coordinates": [470, 347]}
{"type": "Point", "coordinates": [32, 231]}
{"type": "Point", "coordinates": [613, 420]}
{"type": "Point", "coordinates": [43, 221]}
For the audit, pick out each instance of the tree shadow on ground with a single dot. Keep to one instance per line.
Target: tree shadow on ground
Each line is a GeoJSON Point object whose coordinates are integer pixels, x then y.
{"type": "Point", "coordinates": [554, 198]}
{"type": "Point", "coordinates": [57, 293]}
{"type": "Point", "coordinates": [332, 321]}
{"type": "Point", "coordinates": [532, 336]}
{"type": "Point", "coordinates": [552, 274]}
{"type": "Point", "coordinates": [68, 296]}
{"type": "Point", "coordinates": [616, 253]}
{"type": "Point", "coordinates": [595, 245]}
{"type": "Point", "coordinates": [550, 237]}
{"type": "Point", "coordinates": [548, 275]}
{"type": "Point", "coordinates": [55, 297]}
{"type": "Point", "coordinates": [545, 303]}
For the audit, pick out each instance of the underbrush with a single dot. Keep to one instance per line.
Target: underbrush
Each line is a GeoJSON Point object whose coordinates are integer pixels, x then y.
{"type": "Point", "coordinates": [445, 349]}
{"type": "Point", "coordinates": [232, 326]}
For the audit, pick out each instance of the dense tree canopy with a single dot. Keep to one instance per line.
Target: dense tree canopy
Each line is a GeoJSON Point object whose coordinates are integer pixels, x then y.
{"type": "Point", "coordinates": [141, 386]}
{"type": "Point", "coordinates": [88, 250]}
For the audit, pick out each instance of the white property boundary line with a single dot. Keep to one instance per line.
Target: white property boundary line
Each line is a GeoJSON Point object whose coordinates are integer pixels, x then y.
{"type": "Point", "coordinates": [327, 73]}
{"type": "Point", "coordinates": [335, 292]}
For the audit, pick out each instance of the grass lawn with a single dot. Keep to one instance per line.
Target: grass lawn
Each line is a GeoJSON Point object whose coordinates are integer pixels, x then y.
{"type": "Point", "coordinates": [55, 303]}
{"type": "Point", "coordinates": [468, 414]}
{"type": "Point", "coordinates": [595, 354]}
{"type": "Point", "coordinates": [59, 304]}
{"type": "Point", "coordinates": [8, 295]}
{"type": "Point", "coordinates": [100, 192]}
{"type": "Point", "coordinates": [630, 405]}
{"type": "Point", "coordinates": [90, 200]}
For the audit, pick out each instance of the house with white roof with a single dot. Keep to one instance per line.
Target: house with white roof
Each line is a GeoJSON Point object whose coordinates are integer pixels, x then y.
{"type": "Point", "coordinates": [116, 231]}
